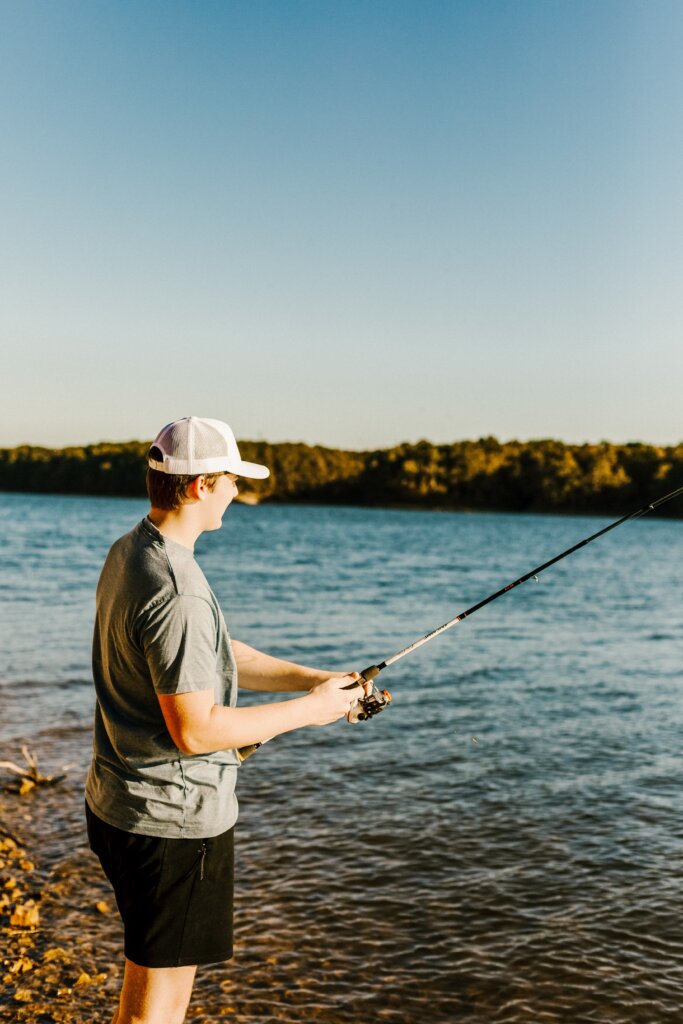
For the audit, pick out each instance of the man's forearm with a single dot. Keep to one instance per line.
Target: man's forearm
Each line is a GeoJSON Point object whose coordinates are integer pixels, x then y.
{"type": "Point", "coordinates": [227, 728]}
{"type": "Point", "coordinates": [259, 671]}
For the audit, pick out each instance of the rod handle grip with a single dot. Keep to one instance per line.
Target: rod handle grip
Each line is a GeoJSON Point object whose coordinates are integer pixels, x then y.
{"type": "Point", "coordinates": [366, 676]}
{"type": "Point", "coordinates": [244, 752]}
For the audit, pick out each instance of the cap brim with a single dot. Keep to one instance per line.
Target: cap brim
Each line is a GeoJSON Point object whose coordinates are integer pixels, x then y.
{"type": "Point", "coordinates": [251, 470]}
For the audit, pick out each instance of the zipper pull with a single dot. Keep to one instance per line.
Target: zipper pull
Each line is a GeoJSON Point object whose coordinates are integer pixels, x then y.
{"type": "Point", "coordinates": [201, 863]}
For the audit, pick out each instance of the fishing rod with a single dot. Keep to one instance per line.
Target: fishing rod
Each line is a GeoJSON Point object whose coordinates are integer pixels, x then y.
{"type": "Point", "coordinates": [377, 700]}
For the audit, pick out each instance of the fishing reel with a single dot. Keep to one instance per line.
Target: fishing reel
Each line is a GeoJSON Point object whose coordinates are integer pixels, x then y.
{"type": "Point", "coordinates": [372, 703]}
{"type": "Point", "coordinates": [367, 707]}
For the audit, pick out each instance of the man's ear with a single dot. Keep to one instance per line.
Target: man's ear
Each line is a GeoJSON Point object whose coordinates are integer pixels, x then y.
{"type": "Point", "coordinates": [192, 491]}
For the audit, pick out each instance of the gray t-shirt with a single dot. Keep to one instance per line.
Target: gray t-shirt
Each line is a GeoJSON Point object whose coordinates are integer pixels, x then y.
{"type": "Point", "coordinates": [158, 630]}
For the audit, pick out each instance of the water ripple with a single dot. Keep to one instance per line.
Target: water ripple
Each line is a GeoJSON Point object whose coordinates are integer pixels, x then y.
{"type": "Point", "coordinates": [399, 871]}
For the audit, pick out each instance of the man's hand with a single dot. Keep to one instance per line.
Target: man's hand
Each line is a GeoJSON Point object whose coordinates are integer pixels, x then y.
{"type": "Point", "coordinates": [331, 701]}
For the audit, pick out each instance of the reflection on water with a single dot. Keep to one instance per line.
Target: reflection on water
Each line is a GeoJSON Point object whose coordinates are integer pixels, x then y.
{"type": "Point", "coordinates": [397, 870]}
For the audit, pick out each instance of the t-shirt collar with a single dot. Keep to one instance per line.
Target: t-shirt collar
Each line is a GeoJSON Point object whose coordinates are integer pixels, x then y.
{"type": "Point", "coordinates": [148, 527]}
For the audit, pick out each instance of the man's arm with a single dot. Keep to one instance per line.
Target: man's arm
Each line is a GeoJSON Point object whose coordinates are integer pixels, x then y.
{"type": "Point", "coordinates": [199, 726]}
{"type": "Point", "coordinates": [259, 671]}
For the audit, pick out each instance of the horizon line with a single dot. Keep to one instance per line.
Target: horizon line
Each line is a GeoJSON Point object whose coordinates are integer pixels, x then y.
{"type": "Point", "coordinates": [343, 448]}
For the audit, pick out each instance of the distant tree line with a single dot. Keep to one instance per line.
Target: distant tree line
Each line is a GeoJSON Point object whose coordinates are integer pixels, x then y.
{"type": "Point", "coordinates": [541, 476]}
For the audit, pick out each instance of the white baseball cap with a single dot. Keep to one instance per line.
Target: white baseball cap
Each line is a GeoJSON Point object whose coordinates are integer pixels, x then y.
{"type": "Point", "coordinates": [193, 446]}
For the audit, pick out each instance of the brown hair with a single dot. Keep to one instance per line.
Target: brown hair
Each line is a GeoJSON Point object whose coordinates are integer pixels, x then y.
{"type": "Point", "coordinates": [169, 490]}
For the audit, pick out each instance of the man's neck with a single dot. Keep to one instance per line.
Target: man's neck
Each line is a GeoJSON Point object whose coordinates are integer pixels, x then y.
{"type": "Point", "coordinates": [175, 525]}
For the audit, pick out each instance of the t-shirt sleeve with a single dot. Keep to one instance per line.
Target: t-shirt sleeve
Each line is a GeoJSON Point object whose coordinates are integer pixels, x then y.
{"type": "Point", "coordinates": [178, 639]}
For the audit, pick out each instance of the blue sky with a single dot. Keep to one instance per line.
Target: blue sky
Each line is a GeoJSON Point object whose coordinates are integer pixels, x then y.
{"type": "Point", "coordinates": [348, 223]}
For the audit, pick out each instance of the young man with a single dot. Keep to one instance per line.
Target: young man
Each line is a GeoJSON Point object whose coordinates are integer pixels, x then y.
{"type": "Point", "coordinates": [160, 802]}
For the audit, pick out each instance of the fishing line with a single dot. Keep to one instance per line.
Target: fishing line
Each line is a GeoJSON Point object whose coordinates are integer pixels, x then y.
{"type": "Point", "coordinates": [374, 702]}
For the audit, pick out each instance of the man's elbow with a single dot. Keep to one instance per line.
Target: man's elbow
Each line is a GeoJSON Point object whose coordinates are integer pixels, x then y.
{"type": "Point", "coordinates": [186, 737]}
{"type": "Point", "coordinates": [187, 717]}
{"type": "Point", "coordinates": [190, 743]}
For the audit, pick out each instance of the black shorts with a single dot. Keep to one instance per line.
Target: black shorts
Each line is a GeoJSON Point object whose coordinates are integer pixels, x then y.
{"type": "Point", "coordinates": [174, 895]}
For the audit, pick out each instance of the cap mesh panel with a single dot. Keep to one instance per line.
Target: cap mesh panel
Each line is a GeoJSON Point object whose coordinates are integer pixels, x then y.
{"type": "Point", "coordinates": [208, 442]}
{"type": "Point", "coordinates": [175, 441]}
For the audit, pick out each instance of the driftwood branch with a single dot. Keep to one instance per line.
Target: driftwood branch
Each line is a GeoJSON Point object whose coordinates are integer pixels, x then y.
{"type": "Point", "coordinates": [31, 775]}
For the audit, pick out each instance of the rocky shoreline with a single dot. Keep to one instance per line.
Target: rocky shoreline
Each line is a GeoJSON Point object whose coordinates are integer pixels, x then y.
{"type": "Point", "coordinates": [61, 945]}
{"type": "Point", "coordinates": [51, 972]}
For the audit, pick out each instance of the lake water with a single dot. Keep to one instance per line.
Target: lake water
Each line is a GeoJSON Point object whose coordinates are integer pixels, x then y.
{"type": "Point", "coordinates": [503, 844]}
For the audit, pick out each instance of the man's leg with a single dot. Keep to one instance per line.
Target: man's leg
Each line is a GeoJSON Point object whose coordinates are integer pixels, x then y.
{"type": "Point", "coordinates": [154, 995]}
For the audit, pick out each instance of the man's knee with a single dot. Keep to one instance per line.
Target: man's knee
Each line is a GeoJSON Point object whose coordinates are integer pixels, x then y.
{"type": "Point", "coordinates": [155, 995]}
